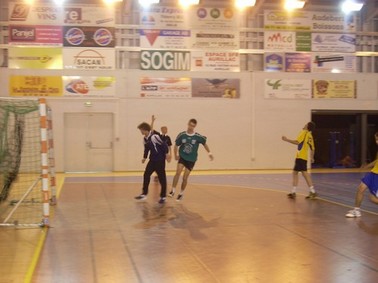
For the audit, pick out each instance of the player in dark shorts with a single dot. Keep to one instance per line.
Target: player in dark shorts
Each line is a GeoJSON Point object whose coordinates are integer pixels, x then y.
{"type": "Point", "coordinates": [305, 145]}
{"type": "Point", "coordinates": [186, 152]}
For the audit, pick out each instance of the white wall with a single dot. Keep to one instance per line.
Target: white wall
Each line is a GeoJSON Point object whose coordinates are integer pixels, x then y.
{"type": "Point", "coordinates": [242, 133]}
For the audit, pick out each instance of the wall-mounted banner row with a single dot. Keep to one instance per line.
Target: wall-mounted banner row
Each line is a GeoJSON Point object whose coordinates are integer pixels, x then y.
{"type": "Point", "coordinates": [189, 87]}
{"type": "Point", "coordinates": [307, 89]}
{"type": "Point", "coordinates": [61, 58]}
{"type": "Point", "coordinates": [74, 86]}
{"type": "Point", "coordinates": [310, 62]}
{"type": "Point", "coordinates": [39, 13]}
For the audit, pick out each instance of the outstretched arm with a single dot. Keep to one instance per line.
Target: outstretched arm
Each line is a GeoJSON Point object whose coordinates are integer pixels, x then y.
{"type": "Point", "coordinates": [208, 151]}
{"type": "Point", "coordinates": [284, 138]}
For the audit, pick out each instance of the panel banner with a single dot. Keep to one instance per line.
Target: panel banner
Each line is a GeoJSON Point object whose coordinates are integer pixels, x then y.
{"type": "Point", "coordinates": [35, 35]}
{"type": "Point", "coordinates": [35, 58]}
{"type": "Point", "coordinates": [287, 89]}
{"type": "Point", "coordinates": [80, 86]}
{"type": "Point", "coordinates": [333, 63]}
{"type": "Point", "coordinates": [217, 61]}
{"type": "Point", "coordinates": [325, 42]}
{"type": "Point", "coordinates": [89, 58]}
{"type": "Point", "coordinates": [165, 38]}
{"type": "Point", "coordinates": [216, 88]}
{"type": "Point", "coordinates": [165, 87]}
{"type": "Point", "coordinates": [89, 36]}
{"type": "Point", "coordinates": [334, 89]}
{"type": "Point", "coordinates": [35, 86]}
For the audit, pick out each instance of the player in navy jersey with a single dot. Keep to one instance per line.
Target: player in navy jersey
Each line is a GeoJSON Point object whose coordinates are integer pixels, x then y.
{"type": "Point", "coordinates": [186, 152]}
{"type": "Point", "coordinates": [157, 149]}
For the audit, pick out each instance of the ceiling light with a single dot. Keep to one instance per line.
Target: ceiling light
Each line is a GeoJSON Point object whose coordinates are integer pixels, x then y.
{"type": "Point", "coordinates": [351, 6]}
{"type": "Point", "coordinates": [146, 3]}
{"type": "Point", "coordinates": [186, 3]}
{"type": "Point", "coordinates": [244, 3]}
{"type": "Point", "coordinates": [294, 4]}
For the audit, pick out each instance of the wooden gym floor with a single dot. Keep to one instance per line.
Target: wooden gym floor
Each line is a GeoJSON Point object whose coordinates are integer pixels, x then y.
{"type": "Point", "coordinates": [230, 227]}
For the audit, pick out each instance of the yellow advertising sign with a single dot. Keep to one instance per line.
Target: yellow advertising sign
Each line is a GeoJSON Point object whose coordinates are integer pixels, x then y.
{"type": "Point", "coordinates": [333, 89]}
{"type": "Point", "coordinates": [35, 86]}
{"type": "Point", "coordinates": [35, 58]}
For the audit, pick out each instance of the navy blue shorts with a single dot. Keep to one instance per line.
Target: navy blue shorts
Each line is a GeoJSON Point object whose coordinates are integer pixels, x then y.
{"type": "Point", "coordinates": [371, 181]}
{"type": "Point", "coordinates": [187, 164]}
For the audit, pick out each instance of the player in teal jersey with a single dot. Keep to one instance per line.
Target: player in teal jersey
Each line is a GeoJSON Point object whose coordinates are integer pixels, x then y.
{"type": "Point", "coordinates": [186, 152]}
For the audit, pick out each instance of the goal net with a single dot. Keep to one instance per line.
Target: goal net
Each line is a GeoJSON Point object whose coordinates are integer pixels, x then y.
{"type": "Point", "coordinates": [27, 177]}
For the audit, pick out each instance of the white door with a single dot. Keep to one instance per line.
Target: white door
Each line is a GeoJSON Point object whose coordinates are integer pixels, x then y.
{"type": "Point", "coordinates": [88, 142]}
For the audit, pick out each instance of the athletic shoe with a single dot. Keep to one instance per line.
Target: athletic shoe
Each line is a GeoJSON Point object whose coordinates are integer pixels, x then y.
{"type": "Point", "coordinates": [171, 194]}
{"type": "Point", "coordinates": [141, 197]}
{"type": "Point", "coordinates": [353, 213]}
{"type": "Point", "coordinates": [292, 195]}
{"type": "Point", "coordinates": [161, 200]}
{"type": "Point", "coordinates": [179, 197]}
{"type": "Point", "coordinates": [312, 196]}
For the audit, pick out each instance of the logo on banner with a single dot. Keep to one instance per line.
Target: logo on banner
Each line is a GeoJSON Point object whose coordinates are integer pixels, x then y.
{"type": "Point", "coordinates": [75, 36]}
{"type": "Point", "coordinates": [89, 57]}
{"type": "Point", "coordinates": [20, 12]}
{"type": "Point", "coordinates": [25, 33]}
{"type": "Point", "coordinates": [151, 35]}
{"type": "Point", "coordinates": [103, 37]}
{"type": "Point", "coordinates": [77, 87]}
{"type": "Point", "coordinates": [73, 15]}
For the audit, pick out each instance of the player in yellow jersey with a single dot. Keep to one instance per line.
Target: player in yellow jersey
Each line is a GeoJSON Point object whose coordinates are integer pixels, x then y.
{"type": "Point", "coordinates": [305, 144]}
{"type": "Point", "coordinates": [369, 181]}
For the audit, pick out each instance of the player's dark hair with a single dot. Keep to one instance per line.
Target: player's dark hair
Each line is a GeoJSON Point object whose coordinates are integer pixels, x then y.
{"type": "Point", "coordinates": [194, 121]}
{"type": "Point", "coordinates": [144, 126]}
{"type": "Point", "coordinates": [311, 126]}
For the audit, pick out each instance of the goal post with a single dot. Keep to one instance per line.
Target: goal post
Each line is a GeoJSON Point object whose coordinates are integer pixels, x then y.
{"type": "Point", "coordinates": [27, 174]}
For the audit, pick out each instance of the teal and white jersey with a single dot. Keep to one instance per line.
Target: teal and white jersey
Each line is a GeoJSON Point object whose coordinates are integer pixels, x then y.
{"type": "Point", "coordinates": [188, 145]}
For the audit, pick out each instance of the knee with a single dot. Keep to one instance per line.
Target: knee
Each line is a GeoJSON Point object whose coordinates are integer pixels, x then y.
{"type": "Point", "coordinates": [374, 199]}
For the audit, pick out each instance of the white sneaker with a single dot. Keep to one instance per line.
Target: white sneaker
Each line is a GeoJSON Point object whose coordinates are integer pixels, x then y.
{"type": "Point", "coordinates": [353, 213]}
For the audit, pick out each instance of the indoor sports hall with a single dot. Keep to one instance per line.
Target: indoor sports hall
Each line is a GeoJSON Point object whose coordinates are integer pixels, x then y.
{"type": "Point", "coordinates": [260, 86]}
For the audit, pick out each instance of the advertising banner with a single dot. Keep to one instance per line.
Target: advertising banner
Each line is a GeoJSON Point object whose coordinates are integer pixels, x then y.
{"type": "Point", "coordinates": [332, 22]}
{"type": "Point", "coordinates": [39, 13]}
{"type": "Point", "coordinates": [309, 21]}
{"type": "Point", "coordinates": [216, 88]}
{"type": "Point", "coordinates": [35, 86]}
{"type": "Point", "coordinates": [89, 58]}
{"type": "Point", "coordinates": [211, 39]}
{"type": "Point", "coordinates": [89, 36]}
{"type": "Point", "coordinates": [298, 62]}
{"type": "Point", "coordinates": [287, 89]}
{"type": "Point", "coordinates": [283, 20]}
{"type": "Point", "coordinates": [334, 89]}
{"type": "Point", "coordinates": [328, 42]}
{"type": "Point", "coordinates": [35, 58]}
{"type": "Point", "coordinates": [80, 86]}
{"type": "Point", "coordinates": [165, 38]}
{"type": "Point", "coordinates": [89, 15]}
{"type": "Point", "coordinates": [333, 63]}
{"type": "Point", "coordinates": [280, 40]}
{"type": "Point", "coordinates": [217, 61]}
{"type": "Point", "coordinates": [165, 60]}
{"type": "Point", "coordinates": [35, 35]}
{"type": "Point", "coordinates": [274, 62]}
{"type": "Point", "coordinates": [35, 14]}
{"type": "Point", "coordinates": [158, 17]}
{"type": "Point", "coordinates": [165, 87]}
{"type": "Point", "coordinates": [214, 18]}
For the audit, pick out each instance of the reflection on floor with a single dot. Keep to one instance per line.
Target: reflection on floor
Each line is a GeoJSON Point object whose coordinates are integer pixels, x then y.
{"type": "Point", "coordinates": [228, 228]}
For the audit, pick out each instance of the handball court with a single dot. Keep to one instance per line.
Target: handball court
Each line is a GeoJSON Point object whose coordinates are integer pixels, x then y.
{"type": "Point", "coordinates": [235, 227]}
